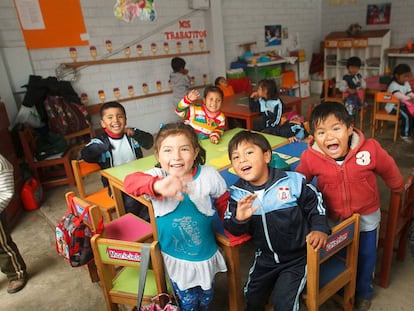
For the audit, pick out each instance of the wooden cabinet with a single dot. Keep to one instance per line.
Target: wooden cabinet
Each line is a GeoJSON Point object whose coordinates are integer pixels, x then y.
{"type": "Point", "coordinates": [369, 46]}
{"type": "Point", "coordinates": [7, 149]}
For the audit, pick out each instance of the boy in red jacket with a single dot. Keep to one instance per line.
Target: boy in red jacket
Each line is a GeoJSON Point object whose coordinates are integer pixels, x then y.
{"type": "Point", "coordinates": [346, 165]}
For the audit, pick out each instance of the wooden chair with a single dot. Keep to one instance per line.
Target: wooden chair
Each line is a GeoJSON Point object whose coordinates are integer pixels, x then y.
{"type": "Point", "coordinates": [380, 114]}
{"type": "Point", "coordinates": [78, 139]}
{"type": "Point", "coordinates": [127, 227]}
{"type": "Point", "coordinates": [334, 267]}
{"type": "Point", "coordinates": [50, 172]}
{"type": "Point", "coordinates": [81, 170]}
{"type": "Point", "coordinates": [330, 91]}
{"type": "Point", "coordinates": [118, 264]}
{"type": "Point", "coordinates": [394, 228]}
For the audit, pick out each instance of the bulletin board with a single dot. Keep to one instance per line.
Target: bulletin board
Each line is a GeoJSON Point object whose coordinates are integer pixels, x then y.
{"type": "Point", "coordinates": [51, 23]}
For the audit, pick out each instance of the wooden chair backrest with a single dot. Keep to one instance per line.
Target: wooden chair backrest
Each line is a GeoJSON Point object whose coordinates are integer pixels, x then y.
{"type": "Point", "coordinates": [110, 255]}
{"type": "Point", "coordinates": [28, 143]}
{"type": "Point", "coordinates": [81, 169]}
{"type": "Point", "coordinates": [93, 218]}
{"type": "Point", "coordinates": [328, 271]}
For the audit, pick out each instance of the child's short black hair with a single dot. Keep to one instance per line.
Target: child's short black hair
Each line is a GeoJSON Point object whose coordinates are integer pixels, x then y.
{"type": "Point", "coordinates": [401, 69]}
{"type": "Point", "coordinates": [353, 61]}
{"type": "Point", "coordinates": [217, 81]}
{"type": "Point", "coordinates": [322, 111]}
{"type": "Point", "coordinates": [214, 89]}
{"type": "Point", "coordinates": [251, 137]}
{"type": "Point", "coordinates": [177, 64]}
{"type": "Point", "coordinates": [112, 104]}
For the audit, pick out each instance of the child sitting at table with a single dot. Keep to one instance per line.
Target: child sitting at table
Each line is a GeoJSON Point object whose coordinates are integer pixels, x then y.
{"type": "Point", "coordinates": [400, 88]}
{"type": "Point", "coordinates": [352, 85]}
{"type": "Point", "coordinates": [117, 145]}
{"type": "Point", "coordinates": [206, 117]}
{"type": "Point", "coordinates": [281, 212]}
{"type": "Point", "coordinates": [222, 83]}
{"type": "Point", "coordinates": [266, 100]}
{"type": "Point", "coordinates": [184, 192]}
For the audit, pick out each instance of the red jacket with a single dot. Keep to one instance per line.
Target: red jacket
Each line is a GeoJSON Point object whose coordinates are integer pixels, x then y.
{"type": "Point", "coordinates": [351, 187]}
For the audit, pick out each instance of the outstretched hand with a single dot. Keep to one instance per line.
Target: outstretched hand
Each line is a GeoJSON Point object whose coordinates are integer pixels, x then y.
{"type": "Point", "coordinates": [172, 186]}
{"type": "Point", "coordinates": [244, 207]}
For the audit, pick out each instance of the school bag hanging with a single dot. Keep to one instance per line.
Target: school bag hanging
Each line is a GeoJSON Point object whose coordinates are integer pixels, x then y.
{"type": "Point", "coordinates": [73, 235]}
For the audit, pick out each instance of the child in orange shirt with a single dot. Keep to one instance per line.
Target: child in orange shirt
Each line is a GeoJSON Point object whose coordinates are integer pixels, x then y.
{"type": "Point", "coordinates": [227, 89]}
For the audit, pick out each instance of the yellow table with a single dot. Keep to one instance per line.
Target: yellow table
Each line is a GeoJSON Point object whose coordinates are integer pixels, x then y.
{"type": "Point", "coordinates": [217, 157]}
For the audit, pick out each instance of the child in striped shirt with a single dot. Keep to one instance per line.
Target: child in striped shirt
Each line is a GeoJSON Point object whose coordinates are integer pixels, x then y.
{"type": "Point", "coordinates": [205, 116]}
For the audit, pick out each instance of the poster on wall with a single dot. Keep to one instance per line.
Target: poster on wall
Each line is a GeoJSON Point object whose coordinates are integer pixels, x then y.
{"type": "Point", "coordinates": [378, 14]}
{"type": "Point", "coordinates": [273, 35]}
{"type": "Point", "coordinates": [127, 10]}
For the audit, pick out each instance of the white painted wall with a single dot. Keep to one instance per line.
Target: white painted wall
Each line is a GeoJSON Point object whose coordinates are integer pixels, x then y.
{"type": "Point", "coordinates": [228, 22]}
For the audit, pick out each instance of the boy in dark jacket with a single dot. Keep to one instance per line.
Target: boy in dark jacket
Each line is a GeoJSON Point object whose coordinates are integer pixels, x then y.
{"type": "Point", "coordinates": [281, 212]}
{"type": "Point", "coordinates": [118, 145]}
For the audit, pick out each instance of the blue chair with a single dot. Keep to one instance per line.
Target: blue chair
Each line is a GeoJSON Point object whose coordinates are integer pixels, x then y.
{"type": "Point", "coordinates": [332, 270]}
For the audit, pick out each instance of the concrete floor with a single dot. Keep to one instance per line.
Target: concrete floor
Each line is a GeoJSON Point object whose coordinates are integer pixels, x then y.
{"type": "Point", "coordinates": [54, 285]}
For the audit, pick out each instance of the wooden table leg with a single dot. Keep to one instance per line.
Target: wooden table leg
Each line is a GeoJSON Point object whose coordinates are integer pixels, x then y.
{"type": "Point", "coordinates": [234, 278]}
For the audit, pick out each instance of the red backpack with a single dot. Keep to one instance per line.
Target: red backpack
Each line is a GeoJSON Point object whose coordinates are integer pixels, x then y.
{"type": "Point", "coordinates": [73, 235]}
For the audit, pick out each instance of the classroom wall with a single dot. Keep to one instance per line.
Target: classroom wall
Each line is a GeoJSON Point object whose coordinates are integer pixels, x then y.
{"type": "Point", "coordinates": [338, 17]}
{"type": "Point", "coordinates": [244, 21]}
{"type": "Point", "coordinates": [237, 21]}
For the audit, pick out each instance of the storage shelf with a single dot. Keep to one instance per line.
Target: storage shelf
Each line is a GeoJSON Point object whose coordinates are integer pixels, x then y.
{"type": "Point", "coordinates": [130, 59]}
{"type": "Point", "coordinates": [377, 42]}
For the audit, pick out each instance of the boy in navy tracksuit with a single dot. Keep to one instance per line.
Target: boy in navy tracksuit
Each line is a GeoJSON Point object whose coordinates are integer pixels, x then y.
{"type": "Point", "coordinates": [117, 145]}
{"type": "Point", "coordinates": [281, 212]}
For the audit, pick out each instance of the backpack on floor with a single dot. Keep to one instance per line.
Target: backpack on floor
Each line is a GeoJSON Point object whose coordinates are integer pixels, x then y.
{"type": "Point", "coordinates": [72, 239]}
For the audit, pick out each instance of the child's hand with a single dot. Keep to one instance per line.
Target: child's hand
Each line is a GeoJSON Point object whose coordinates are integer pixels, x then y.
{"type": "Point", "coordinates": [317, 239]}
{"type": "Point", "coordinates": [214, 139]}
{"type": "Point", "coordinates": [244, 207]}
{"type": "Point", "coordinates": [129, 131]}
{"type": "Point", "coordinates": [193, 95]}
{"type": "Point", "coordinates": [172, 186]}
{"type": "Point", "coordinates": [293, 139]}
{"type": "Point", "coordinates": [254, 94]}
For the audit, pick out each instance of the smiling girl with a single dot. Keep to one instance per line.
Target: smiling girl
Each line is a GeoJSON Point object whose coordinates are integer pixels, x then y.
{"type": "Point", "coordinates": [183, 192]}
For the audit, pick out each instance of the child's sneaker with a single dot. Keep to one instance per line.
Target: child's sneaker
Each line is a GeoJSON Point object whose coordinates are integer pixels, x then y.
{"type": "Point", "coordinates": [407, 139]}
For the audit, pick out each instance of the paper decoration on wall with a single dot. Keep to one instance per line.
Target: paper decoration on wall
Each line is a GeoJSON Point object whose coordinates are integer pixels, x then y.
{"type": "Point", "coordinates": [93, 51]}
{"type": "Point", "coordinates": [127, 51]}
{"type": "Point", "coordinates": [178, 46]}
{"type": "Point", "coordinates": [127, 10]}
{"type": "Point", "coordinates": [108, 45]}
{"type": "Point", "coordinates": [192, 80]}
{"type": "Point", "coordinates": [201, 44]}
{"type": "Point", "coordinates": [154, 48]}
{"type": "Point", "coordinates": [73, 53]}
{"type": "Point", "coordinates": [117, 93]}
{"type": "Point", "coordinates": [131, 91]}
{"type": "Point", "coordinates": [205, 78]}
{"type": "Point", "coordinates": [169, 85]}
{"type": "Point", "coordinates": [166, 47]}
{"type": "Point", "coordinates": [190, 45]}
{"type": "Point", "coordinates": [84, 98]}
{"type": "Point", "coordinates": [139, 49]}
{"type": "Point", "coordinates": [159, 86]}
{"type": "Point", "coordinates": [101, 95]}
{"type": "Point", "coordinates": [145, 88]}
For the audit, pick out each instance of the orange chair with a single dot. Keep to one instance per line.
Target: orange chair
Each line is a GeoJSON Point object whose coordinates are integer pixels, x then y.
{"type": "Point", "coordinates": [51, 172]}
{"type": "Point", "coordinates": [380, 114]}
{"type": "Point", "coordinates": [82, 169]}
{"type": "Point", "coordinates": [395, 224]}
{"type": "Point", "coordinates": [334, 268]}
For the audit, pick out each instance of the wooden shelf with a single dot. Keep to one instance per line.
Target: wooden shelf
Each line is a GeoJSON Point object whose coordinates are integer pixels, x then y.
{"type": "Point", "coordinates": [95, 108]}
{"type": "Point", "coordinates": [130, 59]}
